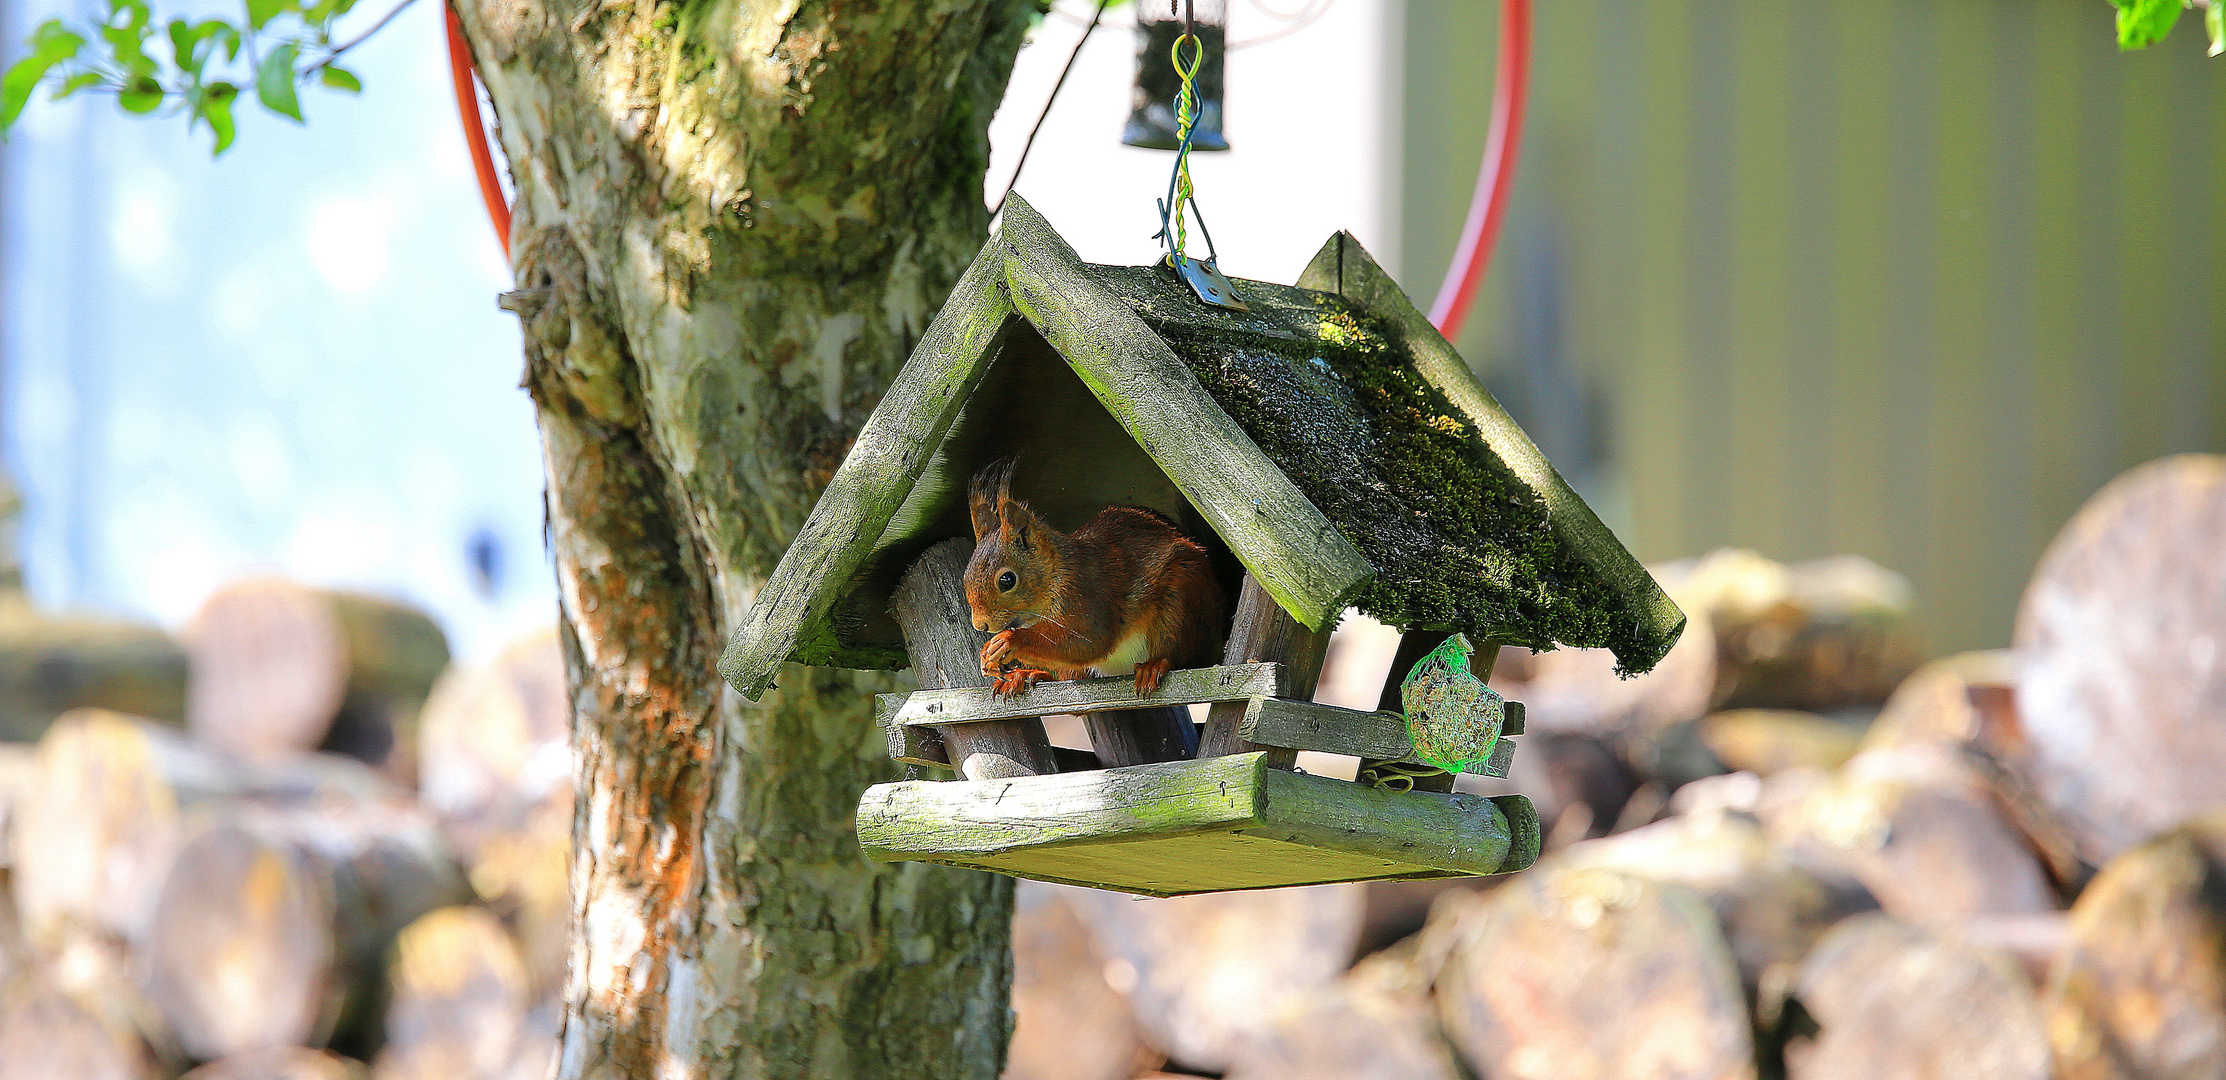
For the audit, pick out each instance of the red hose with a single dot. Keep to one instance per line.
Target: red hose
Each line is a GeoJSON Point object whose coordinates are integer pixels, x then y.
{"type": "Point", "coordinates": [1494, 177]}
{"type": "Point", "coordinates": [475, 129]}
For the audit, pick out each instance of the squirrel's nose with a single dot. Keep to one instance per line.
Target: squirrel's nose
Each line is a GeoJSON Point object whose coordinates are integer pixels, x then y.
{"type": "Point", "coordinates": [981, 624]}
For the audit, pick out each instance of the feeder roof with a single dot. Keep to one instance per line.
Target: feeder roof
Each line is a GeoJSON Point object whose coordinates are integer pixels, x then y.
{"type": "Point", "coordinates": [1329, 436]}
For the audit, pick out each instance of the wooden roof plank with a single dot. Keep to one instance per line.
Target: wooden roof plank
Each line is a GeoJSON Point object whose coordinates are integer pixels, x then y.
{"type": "Point", "coordinates": [891, 450]}
{"type": "Point", "coordinates": [1286, 543]}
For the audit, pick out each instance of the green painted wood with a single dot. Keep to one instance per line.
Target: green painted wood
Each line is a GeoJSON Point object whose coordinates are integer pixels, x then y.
{"type": "Point", "coordinates": [789, 618]}
{"type": "Point", "coordinates": [1649, 621]}
{"type": "Point", "coordinates": [1186, 826]}
{"type": "Point", "coordinates": [1188, 686]}
{"type": "Point", "coordinates": [1281, 538]}
{"type": "Point", "coordinates": [1524, 836]}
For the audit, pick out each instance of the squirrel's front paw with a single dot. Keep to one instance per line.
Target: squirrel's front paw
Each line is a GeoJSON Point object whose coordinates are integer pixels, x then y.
{"type": "Point", "coordinates": [1016, 682]}
{"type": "Point", "coordinates": [994, 654]}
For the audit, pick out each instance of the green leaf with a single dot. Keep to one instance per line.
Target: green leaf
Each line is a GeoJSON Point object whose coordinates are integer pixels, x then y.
{"type": "Point", "coordinates": [50, 45]}
{"type": "Point", "coordinates": [274, 82]}
{"type": "Point", "coordinates": [341, 79]}
{"type": "Point", "coordinates": [78, 82]}
{"type": "Point", "coordinates": [2142, 23]}
{"type": "Point", "coordinates": [263, 11]}
{"type": "Point", "coordinates": [2214, 20]}
{"type": "Point", "coordinates": [141, 95]}
{"type": "Point", "coordinates": [216, 108]}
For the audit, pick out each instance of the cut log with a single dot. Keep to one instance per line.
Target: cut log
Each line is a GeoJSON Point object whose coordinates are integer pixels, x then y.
{"type": "Point", "coordinates": [1766, 741]}
{"type": "Point", "coordinates": [50, 664]}
{"type": "Point", "coordinates": [272, 930]}
{"type": "Point", "coordinates": [1376, 1023]}
{"type": "Point", "coordinates": [1917, 826]}
{"type": "Point", "coordinates": [1591, 973]}
{"type": "Point", "coordinates": [1203, 972]}
{"type": "Point", "coordinates": [1069, 1023]}
{"type": "Point", "coordinates": [1772, 910]}
{"type": "Point", "coordinates": [521, 870]}
{"type": "Point", "coordinates": [930, 607]}
{"type": "Point", "coordinates": [110, 799]}
{"type": "Point", "coordinates": [1893, 1000]}
{"type": "Point", "coordinates": [279, 667]}
{"type": "Point", "coordinates": [46, 1035]}
{"type": "Point", "coordinates": [18, 764]}
{"type": "Point", "coordinates": [2121, 642]}
{"type": "Point", "coordinates": [94, 831]}
{"type": "Point", "coordinates": [2138, 991]}
{"type": "Point", "coordinates": [1818, 635]}
{"type": "Point", "coordinates": [495, 737]}
{"type": "Point", "coordinates": [461, 1000]}
{"type": "Point", "coordinates": [290, 1063]}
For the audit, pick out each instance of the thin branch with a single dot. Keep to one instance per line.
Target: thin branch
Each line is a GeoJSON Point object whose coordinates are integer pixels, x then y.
{"type": "Point", "coordinates": [355, 41]}
{"type": "Point", "coordinates": [1095, 18]}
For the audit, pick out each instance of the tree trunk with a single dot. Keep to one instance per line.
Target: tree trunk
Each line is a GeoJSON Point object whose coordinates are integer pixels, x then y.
{"type": "Point", "coordinates": [732, 220]}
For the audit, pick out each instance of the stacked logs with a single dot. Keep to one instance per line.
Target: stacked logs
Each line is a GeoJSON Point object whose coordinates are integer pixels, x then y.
{"type": "Point", "coordinates": [337, 857]}
{"type": "Point", "coordinates": [1784, 854]}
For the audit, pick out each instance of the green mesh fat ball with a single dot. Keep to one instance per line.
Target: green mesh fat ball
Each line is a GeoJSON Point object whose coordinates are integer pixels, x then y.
{"type": "Point", "coordinates": [1453, 718]}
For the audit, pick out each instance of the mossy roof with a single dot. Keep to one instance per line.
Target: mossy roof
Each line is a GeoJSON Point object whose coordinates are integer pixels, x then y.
{"type": "Point", "coordinates": [1330, 437]}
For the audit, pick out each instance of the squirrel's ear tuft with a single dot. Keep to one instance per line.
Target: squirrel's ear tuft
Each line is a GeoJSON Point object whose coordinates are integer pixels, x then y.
{"type": "Point", "coordinates": [986, 496]}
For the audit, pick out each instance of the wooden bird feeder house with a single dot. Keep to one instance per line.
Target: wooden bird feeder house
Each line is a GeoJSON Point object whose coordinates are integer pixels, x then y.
{"type": "Point", "coordinates": [1329, 449]}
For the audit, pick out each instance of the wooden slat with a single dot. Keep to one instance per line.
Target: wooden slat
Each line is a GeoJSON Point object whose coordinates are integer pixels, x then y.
{"type": "Point", "coordinates": [1189, 686]}
{"type": "Point", "coordinates": [1294, 551]}
{"type": "Point", "coordinates": [891, 450]}
{"type": "Point", "coordinates": [1330, 729]}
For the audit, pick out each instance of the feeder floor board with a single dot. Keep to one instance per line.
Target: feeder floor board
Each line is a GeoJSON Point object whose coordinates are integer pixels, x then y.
{"type": "Point", "coordinates": [1179, 827]}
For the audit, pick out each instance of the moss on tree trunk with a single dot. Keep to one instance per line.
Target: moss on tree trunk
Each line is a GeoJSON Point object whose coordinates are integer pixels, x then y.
{"type": "Point", "coordinates": [732, 221]}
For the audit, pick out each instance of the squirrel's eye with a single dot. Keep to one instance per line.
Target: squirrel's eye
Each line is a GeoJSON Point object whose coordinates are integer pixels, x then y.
{"type": "Point", "coordinates": [1006, 581]}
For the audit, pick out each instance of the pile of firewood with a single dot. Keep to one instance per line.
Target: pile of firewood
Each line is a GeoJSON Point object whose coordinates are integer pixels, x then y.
{"type": "Point", "coordinates": [302, 845]}
{"type": "Point", "coordinates": [1781, 854]}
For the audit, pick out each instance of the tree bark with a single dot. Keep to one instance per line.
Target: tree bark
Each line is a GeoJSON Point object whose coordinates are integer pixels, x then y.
{"type": "Point", "coordinates": [732, 220]}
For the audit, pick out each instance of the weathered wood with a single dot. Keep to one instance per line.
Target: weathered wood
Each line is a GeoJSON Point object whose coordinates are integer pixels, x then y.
{"type": "Point", "coordinates": [1184, 826]}
{"type": "Point", "coordinates": [111, 797]}
{"type": "Point", "coordinates": [1896, 1000]}
{"type": "Point", "coordinates": [1282, 539]}
{"type": "Point", "coordinates": [930, 607]}
{"type": "Point", "coordinates": [1343, 267]}
{"type": "Point", "coordinates": [1188, 686]}
{"type": "Point", "coordinates": [461, 1000]}
{"type": "Point", "coordinates": [1590, 973]}
{"type": "Point", "coordinates": [2135, 992]}
{"type": "Point", "coordinates": [1330, 729]}
{"type": "Point", "coordinates": [1070, 1023]}
{"type": "Point", "coordinates": [787, 620]}
{"type": "Point", "coordinates": [1142, 736]}
{"type": "Point", "coordinates": [1205, 971]}
{"type": "Point", "coordinates": [281, 668]}
{"type": "Point", "coordinates": [272, 927]}
{"type": "Point", "coordinates": [46, 1034]}
{"type": "Point", "coordinates": [2121, 649]}
{"type": "Point", "coordinates": [1263, 631]}
{"type": "Point", "coordinates": [286, 1063]}
{"type": "Point", "coordinates": [240, 953]}
{"type": "Point", "coordinates": [50, 664]}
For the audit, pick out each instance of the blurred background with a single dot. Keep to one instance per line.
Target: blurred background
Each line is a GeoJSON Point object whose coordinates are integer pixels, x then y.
{"type": "Point", "coordinates": [1837, 312]}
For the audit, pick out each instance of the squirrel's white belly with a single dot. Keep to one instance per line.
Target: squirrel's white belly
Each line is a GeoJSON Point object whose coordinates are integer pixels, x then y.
{"type": "Point", "coordinates": [1124, 657]}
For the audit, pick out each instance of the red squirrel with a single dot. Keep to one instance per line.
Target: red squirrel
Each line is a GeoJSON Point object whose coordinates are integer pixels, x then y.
{"type": "Point", "coordinates": [1125, 592]}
